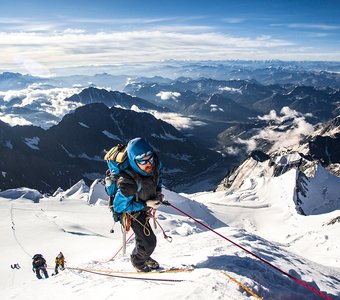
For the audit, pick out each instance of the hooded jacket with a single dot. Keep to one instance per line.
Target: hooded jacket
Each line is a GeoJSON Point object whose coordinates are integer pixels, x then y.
{"type": "Point", "coordinates": [135, 187]}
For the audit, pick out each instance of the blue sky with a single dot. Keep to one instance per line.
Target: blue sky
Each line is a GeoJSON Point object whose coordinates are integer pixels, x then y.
{"type": "Point", "coordinates": [50, 34]}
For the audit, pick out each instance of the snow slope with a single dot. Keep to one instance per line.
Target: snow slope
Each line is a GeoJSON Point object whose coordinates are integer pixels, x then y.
{"type": "Point", "coordinates": [81, 231]}
{"type": "Point", "coordinates": [267, 206]}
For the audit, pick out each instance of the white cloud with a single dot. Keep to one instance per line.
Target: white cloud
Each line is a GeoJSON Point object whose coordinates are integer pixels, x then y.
{"type": "Point", "coordinates": [33, 67]}
{"type": "Point", "coordinates": [231, 90]}
{"type": "Point", "coordinates": [314, 26]}
{"type": "Point", "coordinates": [287, 136]}
{"type": "Point", "coordinates": [232, 150]}
{"type": "Point", "coordinates": [75, 31]}
{"type": "Point", "coordinates": [49, 100]}
{"type": "Point", "coordinates": [177, 120]}
{"type": "Point", "coordinates": [251, 144]}
{"type": "Point", "coordinates": [59, 49]}
{"type": "Point", "coordinates": [168, 95]}
{"type": "Point", "coordinates": [69, 42]}
{"type": "Point", "coordinates": [233, 20]}
{"type": "Point", "coordinates": [14, 120]}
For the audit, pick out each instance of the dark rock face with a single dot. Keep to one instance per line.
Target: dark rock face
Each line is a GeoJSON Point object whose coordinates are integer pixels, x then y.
{"type": "Point", "coordinates": [259, 156]}
{"type": "Point", "coordinates": [74, 149]}
{"type": "Point", "coordinates": [325, 147]}
{"type": "Point", "coordinates": [112, 98]}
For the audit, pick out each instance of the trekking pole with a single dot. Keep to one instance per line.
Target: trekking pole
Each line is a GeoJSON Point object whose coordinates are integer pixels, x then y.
{"type": "Point", "coordinates": [251, 253]}
{"type": "Point", "coordinates": [124, 240]}
{"type": "Point", "coordinates": [124, 233]}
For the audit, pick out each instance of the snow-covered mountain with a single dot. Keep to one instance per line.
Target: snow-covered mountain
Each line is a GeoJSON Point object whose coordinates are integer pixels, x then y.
{"type": "Point", "coordinates": [112, 98]}
{"type": "Point", "coordinates": [244, 98]}
{"type": "Point", "coordinates": [74, 149]}
{"type": "Point", "coordinates": [260, 217]}
{"type": "Point", "coordinates": [312, 73]}
{"type": "Point", "coordinates": [316, 189]}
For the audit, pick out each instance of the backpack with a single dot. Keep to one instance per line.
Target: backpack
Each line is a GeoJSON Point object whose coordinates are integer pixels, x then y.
{"type": "Point", "coordinates": [38, 260]}
{"type": "Point", "coordinates": [117, 161]}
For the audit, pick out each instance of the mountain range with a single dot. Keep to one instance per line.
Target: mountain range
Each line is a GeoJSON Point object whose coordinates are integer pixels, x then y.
{"type": "Point", "coordinates": [74, 149]}
{"type": "Point", "coordinates": [321, 149]}
{"type": "Point", "coordinates": [218, 122]}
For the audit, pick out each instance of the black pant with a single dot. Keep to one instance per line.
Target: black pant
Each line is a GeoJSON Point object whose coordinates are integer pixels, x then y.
{"type": "Point", "coordinates": [145, 239]}
{"type": "Point", "coordinates": [37, 272]}
{"type": "Point", "coordinates": [57, 267]}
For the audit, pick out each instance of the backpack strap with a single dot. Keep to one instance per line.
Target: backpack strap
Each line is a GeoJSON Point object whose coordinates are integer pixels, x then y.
{"type": "Point", "coordinates": [138, 181]}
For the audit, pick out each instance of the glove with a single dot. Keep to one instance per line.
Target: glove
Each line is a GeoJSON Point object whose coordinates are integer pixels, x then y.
{"type": "Point", "coordinates": [166, 203]}
{"type": "Point", "coordinates": [159, 196]}
{"type": "Point", "coordinates": [153, 203]}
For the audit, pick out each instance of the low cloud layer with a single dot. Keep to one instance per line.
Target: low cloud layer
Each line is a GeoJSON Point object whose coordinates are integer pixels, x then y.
{"type": "Point", "coordinates": [168, 95]}
{"type": "Point", "coordinates": [38, 100]}
{"type": "Point", "coordinates": [286, 136]}
{"type": "Point", "coordinates": [177, 120]}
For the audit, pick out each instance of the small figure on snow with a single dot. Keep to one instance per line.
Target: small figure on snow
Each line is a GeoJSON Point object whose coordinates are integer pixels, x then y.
{"type": "Point", "coordinates": [39, 264]}
{"type": "Point", "coordinates": [15, 266]}
{"type": "Point", "coordinates": [59, 263]}
{"type": "Point", "coordinates": [145, 167]}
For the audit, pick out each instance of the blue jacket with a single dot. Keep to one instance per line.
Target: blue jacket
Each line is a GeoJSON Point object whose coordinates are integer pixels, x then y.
{"type": "Point", "coordinates": [128, 198]}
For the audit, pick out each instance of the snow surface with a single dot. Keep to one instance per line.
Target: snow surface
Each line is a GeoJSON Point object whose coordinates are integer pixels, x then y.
{"type": "Point", "coordinates": [260, 216]}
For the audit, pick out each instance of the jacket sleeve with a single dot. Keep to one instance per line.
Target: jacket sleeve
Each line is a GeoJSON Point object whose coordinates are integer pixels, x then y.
{"type": "Point", "coordinates": [124, 200]}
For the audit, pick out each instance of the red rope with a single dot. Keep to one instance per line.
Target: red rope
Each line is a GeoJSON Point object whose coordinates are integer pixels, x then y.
{"type": "Point", "coordinates": [258, 257]}
{"type": "Point", "coordinates": [113, 257]}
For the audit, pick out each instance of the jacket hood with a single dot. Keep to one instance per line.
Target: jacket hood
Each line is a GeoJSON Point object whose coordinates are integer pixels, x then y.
{"type": "Point", "coordinates": [135, 147]}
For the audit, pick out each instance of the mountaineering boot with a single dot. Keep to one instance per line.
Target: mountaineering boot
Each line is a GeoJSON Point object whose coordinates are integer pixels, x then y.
{"type": "Point", "coordinates": [152, 264]}
{"type": "Point", "coordinates": [139, 266]}
{"type": "Point", "coordinates": [142, 267]}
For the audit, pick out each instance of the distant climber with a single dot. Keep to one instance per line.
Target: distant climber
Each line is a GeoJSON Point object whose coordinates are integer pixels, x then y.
{"type": "Point", "coordinates": [39, 264]}
{"type": "Point", "coordinates": [59, 263]}
{"type": "Point", "coordinates": [15, 266]}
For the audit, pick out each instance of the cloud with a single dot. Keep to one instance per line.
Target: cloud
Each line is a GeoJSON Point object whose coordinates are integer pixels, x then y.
{"type": "Point", "coordinates": [48, 100]}
{"type": "Point", "coordinates": [168, 95]}
{"type": "Point", "coordinates": [79, 47]}
{"type": "Point", "coordinates": [314, 26]}
{"type": "Point", "coordinates": [233, 20]}
{"type": "Point", "coordinates": [71, 42]}
{"type": "Point", "coordinates": [14, 120]}
{"type": "Point", "coordinates": [33, 67]}
{"type": "Point", "coordinates": [177, 120]}
{"type": "Point", "coordinates": [251, 143]}
{"type": "Point", "coordinates": [182, 28]}
{"type": "Point", "coordinates": [281, 135]}
{"type": "Point", "coordinates": [232, 150]}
